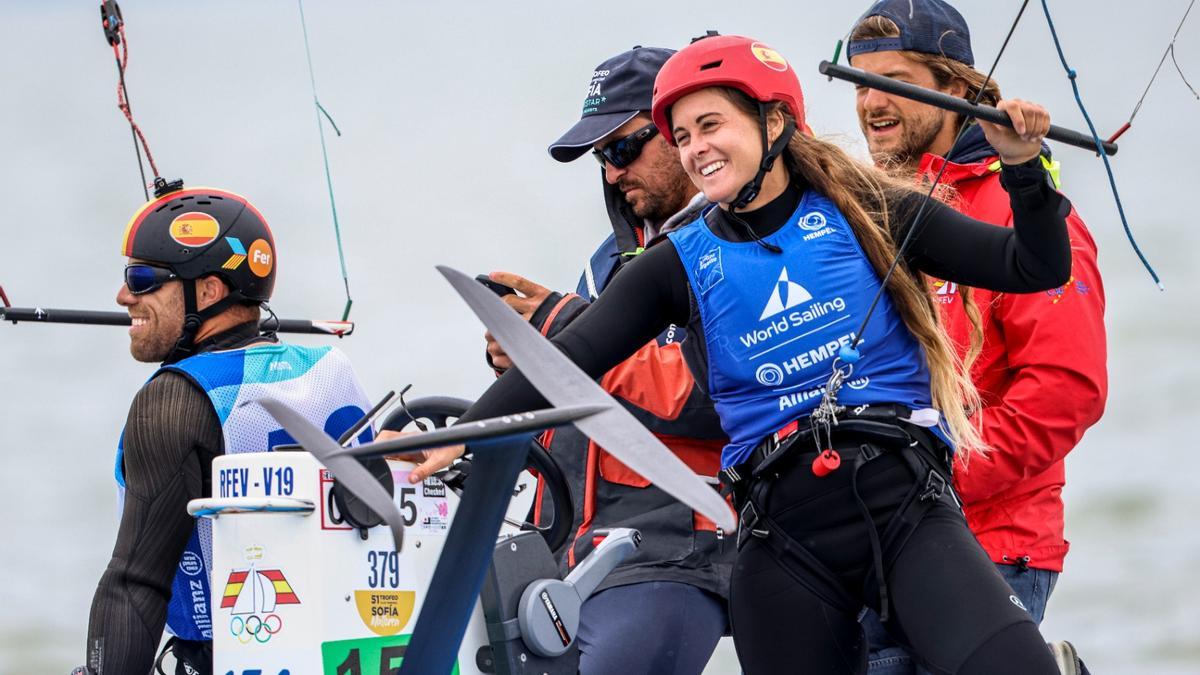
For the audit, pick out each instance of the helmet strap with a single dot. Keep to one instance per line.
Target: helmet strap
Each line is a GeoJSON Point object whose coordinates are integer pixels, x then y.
{"type": "Point", "coordinates": [771, 152]}
{"type": "Point", "coordinates": [194, 318]}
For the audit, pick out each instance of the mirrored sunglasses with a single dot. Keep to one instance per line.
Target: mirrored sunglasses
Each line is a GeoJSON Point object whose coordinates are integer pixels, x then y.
{"type": "Point", "coordinates": [625, 151]}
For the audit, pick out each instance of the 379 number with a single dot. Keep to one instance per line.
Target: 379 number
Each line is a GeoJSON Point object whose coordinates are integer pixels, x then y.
{"type": "Point", "coordinates": [384, 569]}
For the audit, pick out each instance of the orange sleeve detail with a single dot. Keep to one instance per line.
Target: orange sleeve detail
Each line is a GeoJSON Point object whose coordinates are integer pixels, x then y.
{"type": "Point", "coordinates": [554, 313]}
{"type": "Point", "coordinates": [655, 379]}
{"type": "Point", "coordinates": [701, 456]}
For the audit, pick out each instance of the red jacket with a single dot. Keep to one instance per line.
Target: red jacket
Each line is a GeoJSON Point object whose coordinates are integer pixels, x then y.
{"type": "Point", "coordinates": [1042, 377]}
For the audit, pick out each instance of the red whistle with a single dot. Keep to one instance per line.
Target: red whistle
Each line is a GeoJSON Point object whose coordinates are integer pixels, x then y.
{"type": "Point", "coordinates": [826, 463]}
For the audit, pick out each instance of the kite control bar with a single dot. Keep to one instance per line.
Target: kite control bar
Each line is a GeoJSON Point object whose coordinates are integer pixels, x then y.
{"type": "Point", "coordinates": [100, 318]}
{"type": "Point", "coordinates": [959, 105]}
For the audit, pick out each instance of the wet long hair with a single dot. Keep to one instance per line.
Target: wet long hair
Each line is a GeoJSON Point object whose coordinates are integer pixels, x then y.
{"type": "Point", "coordinates": [864, 195]}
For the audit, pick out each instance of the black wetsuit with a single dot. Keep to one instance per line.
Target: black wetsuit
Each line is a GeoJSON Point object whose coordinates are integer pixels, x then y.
{"type": "Point", "coordinates": [171, 436]}
{"type": "Point", "coordinates": [947, 599]}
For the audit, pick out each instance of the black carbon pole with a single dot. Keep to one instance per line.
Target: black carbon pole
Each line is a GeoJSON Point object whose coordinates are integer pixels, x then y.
{"type": "Point", "coordinates": [101, 318]}
{"type": "Point", "coordinates": [955, 104]}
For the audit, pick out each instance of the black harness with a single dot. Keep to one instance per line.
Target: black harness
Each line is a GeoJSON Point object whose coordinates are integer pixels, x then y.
{"type": "Point", "coordinates": [866, 432]}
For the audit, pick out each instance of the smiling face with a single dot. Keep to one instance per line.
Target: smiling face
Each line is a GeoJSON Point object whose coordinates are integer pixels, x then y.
{"type": "Point", "coordinates": [654, 184]}
{"type": "Point", "coordinates": [720, 146]}
{"type": "Point", "coordinates": [899, 130]}
{"type": "Point", "coordinates": [157, 320]}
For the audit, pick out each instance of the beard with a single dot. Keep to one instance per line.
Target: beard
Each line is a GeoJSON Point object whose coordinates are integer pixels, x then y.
{"type": "Point", "coordinates": [918, 135]}
{"type": "Point", "coordinates": [156, 343]}
{"type": "Point", "coordinates": [154, 348]}
{"type": "Point", "coordinates": [667, 190]}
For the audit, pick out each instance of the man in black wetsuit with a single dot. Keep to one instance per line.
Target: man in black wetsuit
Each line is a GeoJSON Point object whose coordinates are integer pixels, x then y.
{"type": "Point", "coordinates": [201, 262]}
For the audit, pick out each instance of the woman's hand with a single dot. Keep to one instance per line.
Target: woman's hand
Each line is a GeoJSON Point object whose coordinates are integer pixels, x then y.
{"type": "Point", "coordinates": [433, 460]}
{"type": "Point", "coordinates": [1023, 142]}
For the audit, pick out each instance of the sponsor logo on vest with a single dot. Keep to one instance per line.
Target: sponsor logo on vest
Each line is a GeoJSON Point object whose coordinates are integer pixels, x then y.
{"type": "Point", "coordinates": [709, 271]}
{"type": "Point", "coordinates": [791, 400]}
{"type": "Point", "coordinates": [816, 224]}
{"type": "Point", "coordinates": [813, 221]}
{"type": "Point", "coordinates": [769, 375]}
{"type": "Point", "coordinates": [785, 295]}
{"type": "Point", "coordinates": [191, 563]}
{"type": "Point", "coordinates": [816, 355]}
{"type": "Point", "coordinates": [1017, 601]}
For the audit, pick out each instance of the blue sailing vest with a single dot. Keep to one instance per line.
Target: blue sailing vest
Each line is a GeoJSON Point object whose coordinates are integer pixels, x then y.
{"type": "Point", "coordinates": [319, 383]}
{"type": "Point", "coordinates": [774, 323]}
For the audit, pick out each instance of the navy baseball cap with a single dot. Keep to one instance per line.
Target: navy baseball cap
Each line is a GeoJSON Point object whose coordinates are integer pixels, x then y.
{"type": "Point", "coordinates": [620, 88]}
{"type": "Point", "coordinates": [926, 26]}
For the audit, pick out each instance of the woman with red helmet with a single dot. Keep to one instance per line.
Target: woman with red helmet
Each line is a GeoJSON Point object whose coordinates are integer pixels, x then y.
{"type": "Point", "coordinates": [839, 392]}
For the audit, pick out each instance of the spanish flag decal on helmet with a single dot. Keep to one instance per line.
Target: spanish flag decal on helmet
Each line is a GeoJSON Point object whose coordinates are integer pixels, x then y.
{"type": "Point", "coordinates": [769, 57]}
{"type": "Point", "coordinates": [194, 229]}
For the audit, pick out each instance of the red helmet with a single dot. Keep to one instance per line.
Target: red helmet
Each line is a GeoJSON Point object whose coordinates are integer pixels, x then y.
{"type": "Point", "coordinates": [727, 61]}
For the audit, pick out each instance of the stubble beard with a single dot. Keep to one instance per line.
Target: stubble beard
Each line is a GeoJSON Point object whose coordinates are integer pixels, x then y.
{"type": "Point", "coordinates": [918, 136]}
{"type": "Point", "coordinates": [669, 196]}
{"type": "Point", "coordinates": [156, 345]}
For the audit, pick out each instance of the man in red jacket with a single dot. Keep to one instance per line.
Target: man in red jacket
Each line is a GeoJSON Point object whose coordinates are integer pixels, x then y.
{"type": "Point", "coordinates": [1040, 368]}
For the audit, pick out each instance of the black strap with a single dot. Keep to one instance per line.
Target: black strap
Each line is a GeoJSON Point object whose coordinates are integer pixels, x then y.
{"type": "Point", "coordinates": [789, 553]}
{"type": "Point", "coordinates": [867, 453]}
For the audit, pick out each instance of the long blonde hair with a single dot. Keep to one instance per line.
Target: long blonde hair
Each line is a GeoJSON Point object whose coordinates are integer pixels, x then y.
{"type": "Point", "coordinates": [863, 194]}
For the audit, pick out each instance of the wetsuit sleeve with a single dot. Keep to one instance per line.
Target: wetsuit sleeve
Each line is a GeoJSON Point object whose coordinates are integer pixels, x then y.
{"type": "Point", "coordinates": [1054, 343]}
{"type": "Point", "coordinates": [171, 436]}
{"type": "Point", "coordinates": [643, 299]}
{"type": "Point", "coordinates": [1033, 255]}
{"type": "Point", "coordinates": [555, 312]}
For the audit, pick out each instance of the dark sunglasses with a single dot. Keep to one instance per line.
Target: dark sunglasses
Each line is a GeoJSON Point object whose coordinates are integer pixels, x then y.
{"type": "Point", "coordinates": [625, 151]}
{"type": "Point", "coordinates": [140, 279]}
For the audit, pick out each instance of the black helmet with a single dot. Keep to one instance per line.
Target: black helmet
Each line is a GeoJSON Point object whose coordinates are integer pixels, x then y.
{"type": "Point", "coordinates": [199, 231]}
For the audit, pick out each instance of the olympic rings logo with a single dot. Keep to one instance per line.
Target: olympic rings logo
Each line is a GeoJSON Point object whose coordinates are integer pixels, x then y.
{"type": "Point", "coordinates": [255, 628]}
